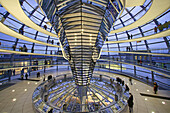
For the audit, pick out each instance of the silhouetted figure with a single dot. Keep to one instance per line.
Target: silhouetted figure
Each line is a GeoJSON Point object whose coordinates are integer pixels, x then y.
{"type": "Point", "coordinates": [131, 36]}
{"type": "Point", "coordinates": [155, 87]}
{"type": "Point", "coordinates": [130, 80]}
{"type": "Point", "coordinates": [21, 31]}
{"type": "Point", "coordinates": [123, 83]}
{"type": "Point", "coordinates": [25, 48]}
{"type": "Point", "coordinates": [126, 88]}
{"type": "Point", "coordinates": [116, 98]}
{"type": "Point", "coordinates": [147, 79]}
{"type": "Point", "coordinates": [38, 74]}
{"type": "Point", "coordinates": [44, 78]}
{"type": "Point", "coordinates": [26, 76]}
{"type": "Point", "coordinates": [22, 76]}
{"type": "Point", "coordinates": [155, 29]}
{"type": "Point", "coordinates": [20, 48]}
{"type": "Point", "coordinates": [128, 36]}
{"type": "Point", "coordinates": [160, 27]}
{"type": "Point", "coordinates": [45, 27]}
{"type": "Point", "coordinates": [14, 47]}
{"type": "Point", "coordinates": [130, 103]}
{"type": "Point", "coordinates": [52, 42]}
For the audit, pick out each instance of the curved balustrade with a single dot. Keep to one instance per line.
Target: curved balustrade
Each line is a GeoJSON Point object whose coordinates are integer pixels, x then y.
{"type": "Point", "coordinates": [140, 53]}
{"type": "Point", "coordinates": [4, 29]}
{"type": "Point", "coordinates": [27, 53]}
{"type": "Point", "coordinates": [59, 95]}
{"type": "Point", "coordinates": [156, 9]}
{"type": "Point", "coordinates": [19, 14]}
{"type": "Point", "coordinates": [164, 33]}
{"type": "Point", "coordinates": [142, 71]}
{"type": "Point", "coordinates": [163, 72]}
{"type": "Point", "coordinates": [127, 20]}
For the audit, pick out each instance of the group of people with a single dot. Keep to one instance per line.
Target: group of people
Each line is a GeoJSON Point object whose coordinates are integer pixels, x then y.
{"type": "Point", "coordinates": [23, 49]}
{"type": "Point", "coordinates": [166, 25]}
{"type": "Point", "coordinates": [130, 36]}
{"type": "Point", "coordinates": [50, 41]}
{"type": "Point", "coordinates": [26, 76]}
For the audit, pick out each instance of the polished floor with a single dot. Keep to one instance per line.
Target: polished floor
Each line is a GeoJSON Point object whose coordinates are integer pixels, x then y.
{"type": "Point", "coordinates": [18, 98]}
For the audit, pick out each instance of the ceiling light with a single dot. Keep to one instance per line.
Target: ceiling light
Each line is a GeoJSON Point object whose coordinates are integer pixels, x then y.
{"type": "Point", "coordinates": [153, 112]}
{"type": "Point", "coordinates": [136, 89]}
{"type": "Point", "coordinates": [163, 102]}
{"type": "Point", "coordinates": [25, 90]}
{"type": "Point", "coordinates": [146, 99]}
{"type": "Point", "coordinates": [147, 90]}
{"type": "Point", "coordinates": [14, 99]}
{"type": "Point", "coordinates": [36, 83]}
{"type": "Point", "coordinates": [28, 82]}
{"type": "Point", "coordinates": [13, 90]}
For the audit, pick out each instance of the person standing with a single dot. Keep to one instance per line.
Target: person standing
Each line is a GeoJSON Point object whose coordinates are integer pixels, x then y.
{"type": "Point", "coordinates": [155, 29]}
{"type": "Point", "coordinates": [131, 36]}
{"type": "Point", "coordinates": [130, 103]}
{"type": "Point", "coordinates": [44, 78]}
{"type": "Point", "coordinates": [26, 76]}
{"type": "Point", "coordinates": [155, 87]}
{"type": "Point", "coordinates": [130, 80]}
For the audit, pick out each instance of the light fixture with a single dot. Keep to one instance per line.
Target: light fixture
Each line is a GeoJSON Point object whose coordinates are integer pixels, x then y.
{"type": "Point", "coordinates": [146, 99]}
{"type": "Point", "coordinates": [135, 83]}
{"type": "Point", "coordinates": [28, 82]}
{"type": "Point", "coordinates": [13, 90]}
{"type": "Point", "coordinates": [153, 112]}
{"type": "Point", "coordinates": [163, 102]}
{"type": "Point", "coordinates": [25, 90]}
{"type": "Point", "coordinates": [136, 89]}
{"type": "Point", "coordinates": [14, 99]}
{"type": "Point", "coordinates": [147, 90]}
{"type": "Point", "coordinates": [36, 83]}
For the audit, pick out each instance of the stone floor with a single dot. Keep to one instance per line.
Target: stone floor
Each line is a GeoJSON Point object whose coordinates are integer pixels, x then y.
{"type": "Point", "coordinates": [18, 98]}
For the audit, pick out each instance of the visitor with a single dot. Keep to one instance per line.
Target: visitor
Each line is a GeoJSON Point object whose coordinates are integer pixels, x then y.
{"type": "Point", "coordinates": [147, 79]}
{"type": "Point", "coordinates": [155, 87]}
{"type": "Point", "coordinates": [130, 103]}
{"type": "Point", "coordinates": [116, 98]}
{"type": "Point", "coordinates": [45, 27]}
{"type": "Point", "coordinates": [130, 80]}
{"type": "Point", "coordinates": [52, 42]}
{"type": "Point", "coordinates": [160, 27]}
{"type": "Point", "coordinates": [21, 31]}
{"type": "Point", "coordinates": [22, 76]}
{"type": "Point", "coordinates": [126, 88]}
{"type": "Point", "coordinates": [26, 76]}
{"type": "Point", "coordinates": [155, 29]}
{"type": "Point", "coordinates": [165, 25]}
{"type": "Point", "coordinates": [131, 36]}
{"type": "Point", "coordinates": [38, 74]}
{"type": "Point", "coordinates": [25, 48]}
{"type": "Point", "coordinates": [20, 48]}
{"type": "Point", "coordinates": [44, 78]}
{"type": "Point", "coordinates": [128, 36]}
{"type": "Point", "coordinates": [123, 83]}
{"type": "Point", "coordinates": [14, 47]}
